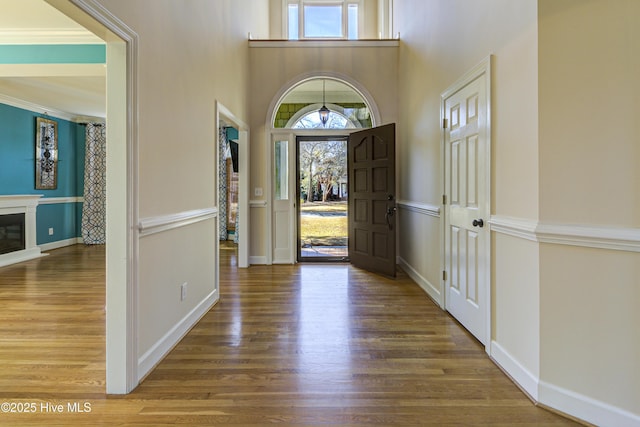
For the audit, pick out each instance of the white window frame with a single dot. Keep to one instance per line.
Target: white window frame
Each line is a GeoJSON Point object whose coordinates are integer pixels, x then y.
{"type": "Point", "coordinates": [345, 16]}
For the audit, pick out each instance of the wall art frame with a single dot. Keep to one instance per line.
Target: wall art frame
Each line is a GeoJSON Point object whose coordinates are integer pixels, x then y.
{"type": "Point", "coordinates": [46, 154]}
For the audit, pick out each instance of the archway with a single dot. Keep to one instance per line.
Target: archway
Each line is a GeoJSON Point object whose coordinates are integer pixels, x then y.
{"type": "Point", "coordinates": [293, 120]}
{"type": "Point", "coordinates": [341, 94]}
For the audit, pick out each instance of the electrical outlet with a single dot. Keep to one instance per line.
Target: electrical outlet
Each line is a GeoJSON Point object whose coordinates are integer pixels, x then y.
{"type": "Point", "coordinates": [51, 232]}
{"type": "Point", "coordinates": [257, 191]}
{"type": "Point", "coordinates": [183, 291]}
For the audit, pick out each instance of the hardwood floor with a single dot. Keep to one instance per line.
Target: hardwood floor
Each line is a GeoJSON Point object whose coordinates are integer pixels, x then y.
{"type": "Point", "coordinates": [291, 345]}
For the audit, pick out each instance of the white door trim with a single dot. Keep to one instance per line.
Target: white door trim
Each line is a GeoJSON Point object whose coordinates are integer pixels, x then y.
{"type": "Point", "coordinates": [122, 374]}
{"type": "Point", "coordinates": [376, 120]}
{"type": "Point", "coordinates": [291, 136]}
{"type": "Point", "coordinates": [481, 70]}
{"type": "Point", "coordinates": [224, 114]}
{"type": "Point", "coordinates": [291, 202]}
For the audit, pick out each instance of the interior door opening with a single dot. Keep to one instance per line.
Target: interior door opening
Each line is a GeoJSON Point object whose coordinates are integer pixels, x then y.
{"type": "Point", "coordinates": [232, 190]}
{"type": "Point", "coordinates": [228, 180]}
{"type": "Point", "coordinates": [322, 193]}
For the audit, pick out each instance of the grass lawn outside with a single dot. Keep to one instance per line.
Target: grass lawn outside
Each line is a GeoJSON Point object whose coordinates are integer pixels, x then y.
{"type": "Point", "coordinates": [324, 224]}
{"type": "Point", "coordinates": [323, 207]}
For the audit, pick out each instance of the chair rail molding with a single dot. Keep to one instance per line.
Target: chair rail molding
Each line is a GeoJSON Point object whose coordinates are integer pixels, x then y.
{"type": "Point", "coordinates": [421, 208]}
{"type": "Point", "coordinates": [602, 237]}
{"type": "Point", "coordinates": [586, 235]}
{"type": "Point", "coordinates": [60, 200]}
{"type": "Point", "coordinates": [516, 227]}
{"type": "Point", "coordinates": [257, 203]}
{"type": "Point", "coordinates": [158, 224]}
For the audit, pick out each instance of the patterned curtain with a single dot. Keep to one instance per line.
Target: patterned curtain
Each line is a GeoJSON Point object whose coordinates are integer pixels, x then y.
{"type": "Point", "coordinates": [236, 235]}
{"type": "Point", "coordinates": [94, 211]}
{"type": "Point", "coordinates": [222, 182]}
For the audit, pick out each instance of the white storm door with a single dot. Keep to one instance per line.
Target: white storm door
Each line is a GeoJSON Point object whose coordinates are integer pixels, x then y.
{"type": "Point", "coordinates": [283, 166]}
{"type": "Point", "coordinates": [467, 209]}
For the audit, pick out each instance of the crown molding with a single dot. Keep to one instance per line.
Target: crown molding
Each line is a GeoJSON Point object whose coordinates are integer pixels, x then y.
{"type": "Point", "coordinates": [41, 109]}
{"type": "Point", "coordinates": [36, 108]}
{"type": "Point", "coordinates": [47, 36]}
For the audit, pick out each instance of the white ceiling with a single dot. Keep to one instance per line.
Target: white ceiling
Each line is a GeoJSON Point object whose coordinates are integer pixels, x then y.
{"type": "Point", "coordinates": [72, 91]}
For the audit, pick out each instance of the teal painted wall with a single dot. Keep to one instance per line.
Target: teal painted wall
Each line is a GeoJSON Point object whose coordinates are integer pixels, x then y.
{"type": "Point", "coordinates": [63, 218]}
{"type": "Point", "coordinates": [53, 54]}
{"type": "Point", "coordinates": [17, 170]}
{"type": "Point", "coordinates": [232, 134]}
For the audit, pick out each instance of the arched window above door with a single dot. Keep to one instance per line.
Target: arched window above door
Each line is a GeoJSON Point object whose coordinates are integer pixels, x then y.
{"type": "Point", "coordinates": [338, 118]}
{"type": "Point", "coordinates": [299, 107]}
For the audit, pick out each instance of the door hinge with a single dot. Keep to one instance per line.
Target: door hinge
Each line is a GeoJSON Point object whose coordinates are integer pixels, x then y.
{"type": "Point", "coordinates": [445, 123]}
{"type": "Point", "coordinates": [444, 275]}
{"type": "Point", "coordinates": [444, 199]}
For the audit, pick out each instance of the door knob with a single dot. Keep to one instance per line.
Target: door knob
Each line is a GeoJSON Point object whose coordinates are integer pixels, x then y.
{"type": "Point", "coordinates": [388, 215]}
{"type": "Point", "coordinates": [478, 223]}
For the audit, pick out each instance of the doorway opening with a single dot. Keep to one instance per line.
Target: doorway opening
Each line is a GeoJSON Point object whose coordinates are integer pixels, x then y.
{"type": "Point", "coordinates": [228, 189]}
{"type": "Point", "coordinates": [326, 107]}
{"type": "Point", "coordinates": [322, 192]}
{"type": "Point", "coordinates": [228, 178]}
{"type": "Point", "coordinates": [233, 188]}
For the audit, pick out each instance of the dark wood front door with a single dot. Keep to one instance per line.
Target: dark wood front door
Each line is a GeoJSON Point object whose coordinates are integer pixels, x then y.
{"type": "Point", "coordinates": [372, 199]}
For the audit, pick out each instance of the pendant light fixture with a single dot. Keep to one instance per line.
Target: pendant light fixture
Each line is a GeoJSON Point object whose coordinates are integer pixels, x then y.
{"type": "Point", "coordinates": [324, 111]}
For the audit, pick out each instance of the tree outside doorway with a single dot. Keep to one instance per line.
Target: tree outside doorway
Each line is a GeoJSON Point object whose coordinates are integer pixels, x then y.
{"type": "Point", "coordinates": [323, 198]}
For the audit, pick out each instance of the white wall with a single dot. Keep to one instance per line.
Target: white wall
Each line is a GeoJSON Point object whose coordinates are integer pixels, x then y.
{"type": "Point", "coordinates": [564, 150]}
{"type": "Point", "coordinates": [273, 69]}
{"type": "Point", "coordinates": [589, 177]}
{"type": "Point", "coordinates": [565, 153]}
{"type": "Point", "coordinates": [190, 54]}
{"type": "Point", "coordinates": [440, 41]}
{"type": "Point", "coordinates": [589, 101]}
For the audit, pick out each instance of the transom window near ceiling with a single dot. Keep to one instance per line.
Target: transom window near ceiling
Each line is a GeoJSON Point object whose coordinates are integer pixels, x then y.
{"type": "Point", "coordinates": [323, 19]}
{"type": "Point", "coordinates": [300, 107]}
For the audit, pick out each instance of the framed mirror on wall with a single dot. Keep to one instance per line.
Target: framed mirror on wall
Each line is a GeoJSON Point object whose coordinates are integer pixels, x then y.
{"type": "Point", "coordinates": [46, 154]}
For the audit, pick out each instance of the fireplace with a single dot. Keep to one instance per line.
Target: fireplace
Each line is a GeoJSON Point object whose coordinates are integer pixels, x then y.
{"type": "Point", "coordinates": [18, 228]}
{"type": "Point", "coordinates": [12, 233]}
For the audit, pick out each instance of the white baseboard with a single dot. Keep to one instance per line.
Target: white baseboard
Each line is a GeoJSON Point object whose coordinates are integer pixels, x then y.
{"type": "Point", "coordinates": [160, 349]}
{"type": "Point", "coordinates": [20, 256]}
{"type": "Point", "coordinates": [518, 373]}
{"type": "Point", "coordinates": [257, 260]}
{"type": "Point", "coordinates": [61, 244]}
{"type": "Point", "coordinates": [585, 408]}
{"type": "Point", "coordinates": [565, 401]}
{"type": "Point", "coordinates": [432, 291]}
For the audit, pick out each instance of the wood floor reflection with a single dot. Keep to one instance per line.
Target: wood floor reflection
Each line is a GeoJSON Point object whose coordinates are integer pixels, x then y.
{"type": "Point", "coordinates": [292, 345]}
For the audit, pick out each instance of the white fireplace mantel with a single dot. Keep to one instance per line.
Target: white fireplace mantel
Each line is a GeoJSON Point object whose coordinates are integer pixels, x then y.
{"type": "Point", "coordinates": [26, 204]}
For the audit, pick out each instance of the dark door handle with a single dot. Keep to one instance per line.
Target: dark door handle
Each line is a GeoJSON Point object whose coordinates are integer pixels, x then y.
{"type": "Point", "coordinates": [388, 215]}
{"type": "Point", "coordinates": [478, 223]}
